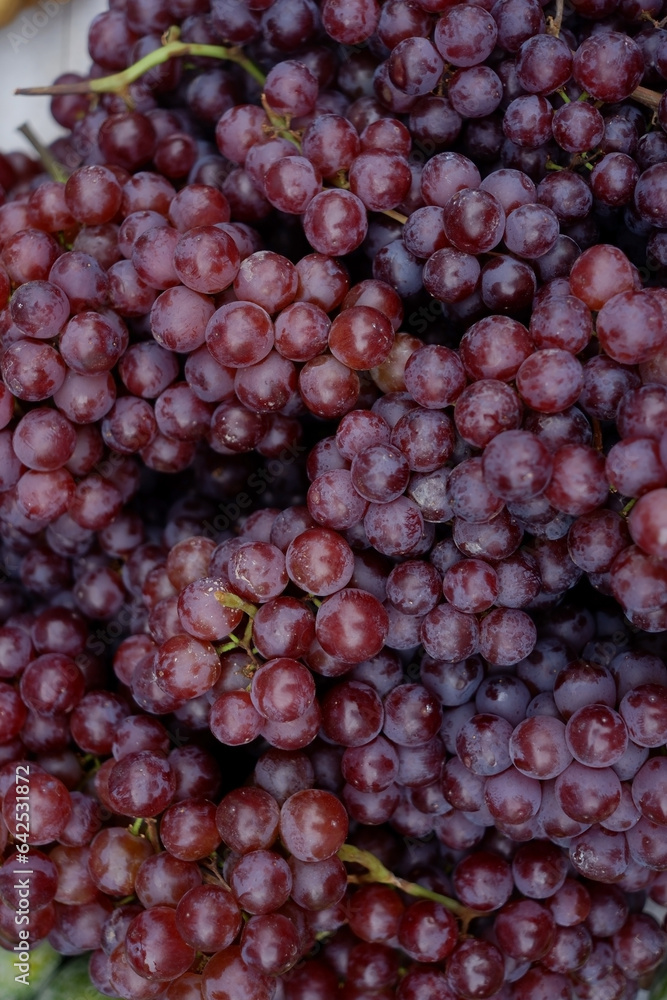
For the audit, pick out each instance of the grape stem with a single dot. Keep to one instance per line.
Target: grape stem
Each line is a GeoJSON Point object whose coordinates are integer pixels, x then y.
{"type": "Point", "coordinates": [628, 507]}
{"type": "Point", "coordinates": [649, 98]}
{"type": "Point", "coordinates": [90, 764]}
{"type": "Point", "coordinates": [150, 832]}
{"type": "Point", "coordinates": [124, 901]}
{"type": "Point", "coordinates": [280, 124]}
{"type": "Point", "coordinates": [173, 48]}
{"type": "Point", "coordinates": [398, 216]}
{"type": "Point", "coordinates": [53, 168]}
{"type": "Point", "coordinates": [211, 873]}
{"type": "Point", "coordinates": [234, 601]}
{"type": "Point", "coordinates": [583, 160]}
{"type": "Point", "coordinates": [554, 23]}
{"type": "Point", "coordinates": [229, 600]}
{"type": "Point", "coordinates": [376, 872]}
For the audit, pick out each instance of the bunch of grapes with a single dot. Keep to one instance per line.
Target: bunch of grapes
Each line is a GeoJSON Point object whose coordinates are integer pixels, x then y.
{"type": "Point", "coordinates": [333, 503]}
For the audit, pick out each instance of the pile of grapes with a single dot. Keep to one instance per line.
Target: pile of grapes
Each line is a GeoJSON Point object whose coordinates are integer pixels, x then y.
{"type": "Point", "coordinates": [333, 503]}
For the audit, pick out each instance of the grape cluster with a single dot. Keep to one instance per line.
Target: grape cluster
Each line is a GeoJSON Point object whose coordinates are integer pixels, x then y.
{"type": "Point", "coordinates": [333, 503]}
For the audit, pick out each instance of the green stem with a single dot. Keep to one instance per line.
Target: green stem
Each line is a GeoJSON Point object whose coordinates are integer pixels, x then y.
{"type": "Point", "coordinates": [173, 49]}
{"type": "Point", "coordinates": [124, 901]}
{"type": "Point", "coordinates": [52, 166]}
{"type": "Point", "coordinates": [628, 507]}
{"type": "Point", "coordinates": [229, 600]}
{"type": "Point", "coordinates": [340, 180]}
{"type": "Point", "coordinates": [90, 765]}
{"type": "Point", "coordinates": [281, 124]}
{"type": "Point", "coordinates": [378, 873]}
{"type": "Point", "coordinates": [235, 602]}
{"type": "Point", "coordinates": [136, 826]}
{"type": "Point", "coordinates": [246, 641]}
{"type": "Point", "coordinates": [233, 643]}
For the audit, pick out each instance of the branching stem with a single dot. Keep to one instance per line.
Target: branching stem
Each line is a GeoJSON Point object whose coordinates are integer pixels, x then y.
{"type": "Point", "coordinates": [172, 48]}
{"type": "Point", "coordinates": [229, 600]}
{"type": "Point", "coordinates": [378, 873]}
{"type": "Point", "coordinates": [119, 83]}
